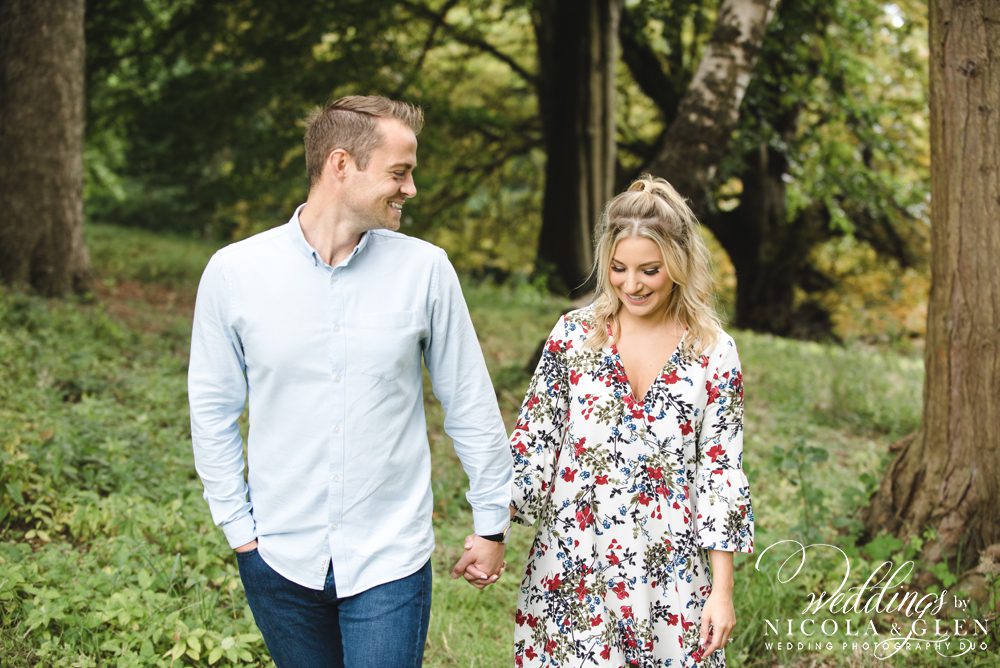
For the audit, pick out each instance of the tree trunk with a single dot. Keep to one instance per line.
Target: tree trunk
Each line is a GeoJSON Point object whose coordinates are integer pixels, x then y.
{"type": "Point", "coordinates": [698, 138]}
{"type": "Point", "coordinates": [769, 252]}
{"type": "Point", "coordinates": [577, 50]}
{"type": "Point", "coordinates": [41, 145]}
{"type": "Point", "coordinates": [948, 477]}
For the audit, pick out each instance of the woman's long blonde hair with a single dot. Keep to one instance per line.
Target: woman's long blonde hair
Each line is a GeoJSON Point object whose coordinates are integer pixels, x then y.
{"type": "Point", "coordinates": [652, 209]}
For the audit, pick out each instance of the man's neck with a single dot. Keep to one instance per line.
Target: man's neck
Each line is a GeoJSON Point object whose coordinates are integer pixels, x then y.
{"type": "Point", "coordinates": [327, 229]}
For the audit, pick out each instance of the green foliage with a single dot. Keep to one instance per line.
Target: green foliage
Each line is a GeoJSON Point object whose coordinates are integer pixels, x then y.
{"type": "Point", "coordinates": [107, 552]}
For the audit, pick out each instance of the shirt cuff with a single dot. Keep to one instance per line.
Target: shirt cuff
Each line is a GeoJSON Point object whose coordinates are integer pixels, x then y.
{"type": "Point", "coordinates": [240, 531]}
{"type": "Point", "coordinates": [490, 522]}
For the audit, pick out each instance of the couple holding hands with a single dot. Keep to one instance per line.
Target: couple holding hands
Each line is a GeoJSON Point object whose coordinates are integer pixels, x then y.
{"type": "Point", "coordinates": [626, 454]}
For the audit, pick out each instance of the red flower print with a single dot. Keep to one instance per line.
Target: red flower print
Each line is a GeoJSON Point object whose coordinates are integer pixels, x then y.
{"type": "Point", "coordinates": [532, 621]}
{"type": "Point", "coordinates": [713, 392]}
{"type": "Point", "coordinates": [606, 653]}
{"type": "Point", "coordinates": [585, 517]}
{"type": "Point", "coordinates": [569, 475]}
{"type": "Point", "coordinates": [554, 583]}
{"type": "Point", "coordinates": [656, 473]}
{"type": "Point", "coordinates": [530, 653]}
{"type": "Point", "coordinates": [574, 377]}
{"type": "Point", "coordinates": [519, 618]}
{"type": "Point", "coordinates": [643, 499]}
{"type": "Point", "coordinates": [596, 621]}
{"type": "Point", "coordinates": [620, 590]}
{"type": "Point", "coordinates": [716, 451]}
{"type": "Point", "coordinates": [671, 377]}
{"type": "Point", "coordinates": [578, 448]}
{"type": "Point", "coordinates": [601, 479]}
{"type": "Point", "coordinates": [581, 589]}
{"type": "Point", "coordinates": [703, 361]}
{"type": "Point", "coordinates": [627, 611]}
{"type": "Point", "coordinates": [686, 428]}
{"type": "Point", "coordinates": [532, 402]}
{"type": "Point", "coordinates": [672, 619]}
{"type": "Point", "coordinates": [550, 646]}
{"type": "Point", "coordinates": [554, 346]}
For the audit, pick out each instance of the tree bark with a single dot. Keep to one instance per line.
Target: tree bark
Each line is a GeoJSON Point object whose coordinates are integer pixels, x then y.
{"type": "Point", "coordinates": [41, 145]}
{"type": "Point", "coordinates": [948, 477]}
{"type": "Point", "coordinates": [577, 50]}
{"type": "Point", "coordinates": [698, 138]}
{"type": "Point", "coordinates": [770, 253]}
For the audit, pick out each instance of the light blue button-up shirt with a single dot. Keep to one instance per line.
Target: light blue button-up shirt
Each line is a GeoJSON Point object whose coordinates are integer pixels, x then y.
{"type": "Point", "coordinates": [339, 463]}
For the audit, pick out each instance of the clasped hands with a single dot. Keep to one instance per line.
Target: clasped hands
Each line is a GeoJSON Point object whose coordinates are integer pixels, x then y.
{"type": "Point", "coordinates": [482, 564]}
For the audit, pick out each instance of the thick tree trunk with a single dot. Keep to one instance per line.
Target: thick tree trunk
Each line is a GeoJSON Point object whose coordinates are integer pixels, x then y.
{"type": "Point", "coordinates": [948, 477]}
{"type": "Point", "coordinates": [770, 253]}
{"type": "Point", "coordinates": [577, 50]}
{"type": "Point", "coordinates": [698, 138]}
{"type": "Point", "coordinates": [41, 145]}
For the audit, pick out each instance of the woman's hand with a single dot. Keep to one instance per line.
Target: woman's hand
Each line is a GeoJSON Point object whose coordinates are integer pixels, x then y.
{"type": "Point", "coordinates": [717, 621]}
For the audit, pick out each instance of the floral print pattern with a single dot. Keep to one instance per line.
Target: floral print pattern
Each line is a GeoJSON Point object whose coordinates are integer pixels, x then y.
{"type": "Point", "coordinates": [628, 496]}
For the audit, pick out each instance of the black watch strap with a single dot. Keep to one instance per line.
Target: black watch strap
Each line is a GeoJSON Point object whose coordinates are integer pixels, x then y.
{"type": "Point", "coordinates": [498, 537]}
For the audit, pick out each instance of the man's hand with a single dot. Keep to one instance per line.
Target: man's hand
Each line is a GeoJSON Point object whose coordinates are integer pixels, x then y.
{"type": "Point", "coordinates": [482, 564]}
{"type": "Point", "coordinates": [252, 545]}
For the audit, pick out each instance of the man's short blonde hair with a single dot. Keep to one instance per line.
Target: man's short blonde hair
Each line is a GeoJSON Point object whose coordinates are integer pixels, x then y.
{"type": "Point", "coordinates": [351, 123]}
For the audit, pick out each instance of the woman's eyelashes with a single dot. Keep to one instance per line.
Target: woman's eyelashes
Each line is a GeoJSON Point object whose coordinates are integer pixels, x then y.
{"type": "Point", "coordinates": [647, 272]}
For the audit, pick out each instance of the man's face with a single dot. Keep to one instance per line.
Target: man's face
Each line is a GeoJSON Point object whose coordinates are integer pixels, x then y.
{"type": "Point", "coordinates": [376, 194]}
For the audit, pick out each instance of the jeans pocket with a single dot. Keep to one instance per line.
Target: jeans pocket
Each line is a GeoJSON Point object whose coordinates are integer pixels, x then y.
{"type": "Point", "coordinates": [244, 557]}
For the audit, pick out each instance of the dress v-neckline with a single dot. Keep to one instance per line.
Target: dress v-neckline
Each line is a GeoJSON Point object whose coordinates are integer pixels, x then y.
{"type": "Point", "coordinates": [628, 381]}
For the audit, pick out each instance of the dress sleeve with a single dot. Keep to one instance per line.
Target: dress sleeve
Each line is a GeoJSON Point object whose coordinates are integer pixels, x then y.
{"type": "Point", "coordinates": [541, 429]}
{"type": "Point", "coordinates": [722, 494]}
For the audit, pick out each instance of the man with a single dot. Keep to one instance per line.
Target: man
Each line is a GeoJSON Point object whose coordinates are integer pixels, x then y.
{"type": "Point", "coordinates": [323, 322]}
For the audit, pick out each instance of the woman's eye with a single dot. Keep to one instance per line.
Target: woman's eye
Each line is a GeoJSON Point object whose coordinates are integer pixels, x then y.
{"type": "Point", "coordinates": [651, 272]}
{"type": "Point", "coordinates": [617, 269]}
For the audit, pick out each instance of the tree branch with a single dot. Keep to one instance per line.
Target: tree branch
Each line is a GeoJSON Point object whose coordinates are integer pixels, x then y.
{"type": "Point", "coordinates": [469, 39]}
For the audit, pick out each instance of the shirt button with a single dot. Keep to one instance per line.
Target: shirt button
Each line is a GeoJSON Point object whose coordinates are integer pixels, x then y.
{"type": "Point", "coordinates": [333, 527]}
{"type": "Point", "coordinates": [337, 328]}
{"type": "Point", "coordinates": [337, 429]}
{"type": "Point", "coordinates": [336, 377]}
{"type": "Point", "coordinates": [336, 477]}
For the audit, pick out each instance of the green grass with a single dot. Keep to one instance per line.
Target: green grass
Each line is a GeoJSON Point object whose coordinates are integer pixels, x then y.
{"type": "Point", "coordinates": [108, 556]}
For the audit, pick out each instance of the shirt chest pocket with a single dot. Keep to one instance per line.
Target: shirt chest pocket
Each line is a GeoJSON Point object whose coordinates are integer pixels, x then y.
{"type": "Point", "coordinates": [385, 345]}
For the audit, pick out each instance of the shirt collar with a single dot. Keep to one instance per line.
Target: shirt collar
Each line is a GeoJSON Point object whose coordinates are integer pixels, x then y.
{"type": "Point", "coordinates": [300, 243]}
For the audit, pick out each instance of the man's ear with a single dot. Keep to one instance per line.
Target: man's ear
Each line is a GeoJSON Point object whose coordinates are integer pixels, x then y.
{"type": "Point", "coordinates": [337, 163]}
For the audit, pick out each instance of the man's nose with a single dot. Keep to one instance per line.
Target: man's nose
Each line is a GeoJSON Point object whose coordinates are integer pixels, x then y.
{"type": "Point", "coordinates": [409, 188]}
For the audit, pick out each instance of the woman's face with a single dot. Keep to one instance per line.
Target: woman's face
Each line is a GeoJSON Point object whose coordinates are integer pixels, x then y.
{"type": "Point", "coordinates": [639, 277]}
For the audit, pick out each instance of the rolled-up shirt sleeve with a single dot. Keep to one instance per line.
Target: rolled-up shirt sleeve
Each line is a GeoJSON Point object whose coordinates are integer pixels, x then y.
{"type": "Point", "coordinates": [217, 389]}
{"type": "Point", "coordinates": [462, 384]}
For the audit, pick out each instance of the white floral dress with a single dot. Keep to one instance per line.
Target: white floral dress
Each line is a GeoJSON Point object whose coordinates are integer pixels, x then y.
{"type": "Point", "coordinates": [628, 496]}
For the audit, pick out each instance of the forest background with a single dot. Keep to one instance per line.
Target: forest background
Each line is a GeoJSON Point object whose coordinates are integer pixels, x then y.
{"type": "Point", "coordinates": [809, 166]}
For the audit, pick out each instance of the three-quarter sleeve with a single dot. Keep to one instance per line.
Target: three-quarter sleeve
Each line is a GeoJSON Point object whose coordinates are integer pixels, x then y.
{"type": "Point", "coordinates": [722, 492]}
{"type": "Point", "coordinates": [540, 430]}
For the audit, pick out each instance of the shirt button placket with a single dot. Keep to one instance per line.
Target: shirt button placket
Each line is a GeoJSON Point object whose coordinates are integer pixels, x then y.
{"type": "Point", "coordinates": [338, 353]}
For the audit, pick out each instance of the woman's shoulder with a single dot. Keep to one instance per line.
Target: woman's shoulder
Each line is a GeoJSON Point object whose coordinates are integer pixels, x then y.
{"type": "Point", "coordinates": [722, 346]}
{"type": "Point", "coordinates": [577, 323]}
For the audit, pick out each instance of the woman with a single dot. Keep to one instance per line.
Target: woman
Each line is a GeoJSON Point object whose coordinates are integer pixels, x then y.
{"type": "Point", "coordinates": [627, 454]}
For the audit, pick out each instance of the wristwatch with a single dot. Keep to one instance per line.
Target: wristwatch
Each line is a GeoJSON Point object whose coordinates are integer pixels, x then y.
{"type": "Point", "coordinates": [498, 537]}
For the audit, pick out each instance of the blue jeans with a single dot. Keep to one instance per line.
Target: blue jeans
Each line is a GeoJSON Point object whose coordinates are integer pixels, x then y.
{"type": "Point", "coordinates": [304, 628]}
